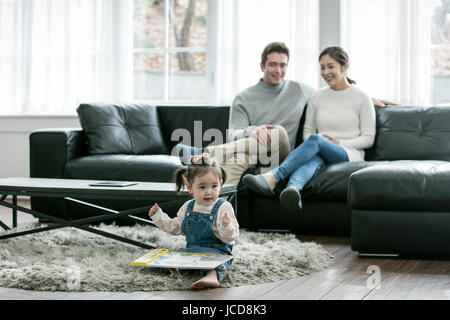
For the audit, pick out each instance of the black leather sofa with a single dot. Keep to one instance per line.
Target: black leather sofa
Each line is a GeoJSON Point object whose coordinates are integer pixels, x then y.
{"type": "Point", "coordinates": [386, 204]}
{"type": "Point", "coordinates": [129, 142]}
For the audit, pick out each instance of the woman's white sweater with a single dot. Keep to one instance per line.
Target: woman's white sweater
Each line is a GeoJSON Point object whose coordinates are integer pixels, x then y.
{"type": "Point", "coordinates": [347, 115]}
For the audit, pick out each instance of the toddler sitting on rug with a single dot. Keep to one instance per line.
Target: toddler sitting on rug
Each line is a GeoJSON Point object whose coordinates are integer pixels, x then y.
{"type": "Point", "coordinates": [208, 222]}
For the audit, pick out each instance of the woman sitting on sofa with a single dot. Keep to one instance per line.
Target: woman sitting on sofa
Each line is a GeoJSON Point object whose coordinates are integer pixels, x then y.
{"type": "Point", "coordinates": [339, 125]}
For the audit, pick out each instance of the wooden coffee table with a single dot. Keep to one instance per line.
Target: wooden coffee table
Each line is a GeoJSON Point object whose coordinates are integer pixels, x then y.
{"type": "Point", "coordinates": [71, 189]}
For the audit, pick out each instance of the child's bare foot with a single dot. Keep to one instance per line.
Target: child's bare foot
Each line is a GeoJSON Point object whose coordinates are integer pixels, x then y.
{"type": "Point", "coordinates": [208, 281]}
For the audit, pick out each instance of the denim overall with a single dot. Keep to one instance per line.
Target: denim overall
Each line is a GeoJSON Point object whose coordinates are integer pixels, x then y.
{"type": "Point", "coordinates": [200, 237]}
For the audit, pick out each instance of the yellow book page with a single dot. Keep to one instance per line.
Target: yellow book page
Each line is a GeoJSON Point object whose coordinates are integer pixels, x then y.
{"type": "Point", "coordinates": [149, 257]}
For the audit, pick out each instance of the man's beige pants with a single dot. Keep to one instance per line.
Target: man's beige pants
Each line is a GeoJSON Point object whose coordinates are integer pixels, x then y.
{"type": "Point", "coordinates": [238, 156]}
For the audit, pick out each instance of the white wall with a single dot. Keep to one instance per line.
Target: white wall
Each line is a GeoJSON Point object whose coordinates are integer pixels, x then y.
{"type": "Point", "coordinates": [329, 27]}
{"type": "Point", "coordinates": [14, 133]}
{"type": "Point", "coordinates": [330, 23]}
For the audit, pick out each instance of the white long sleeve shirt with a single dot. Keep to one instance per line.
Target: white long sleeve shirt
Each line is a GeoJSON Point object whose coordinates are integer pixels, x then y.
{"type": "Point", "coordinates": [347, 115]}
{"type": "Point", "coordinates": [227, 234]}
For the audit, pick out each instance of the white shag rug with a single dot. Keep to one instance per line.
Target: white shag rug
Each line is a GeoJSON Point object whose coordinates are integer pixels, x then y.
{"type": "Point", "coordinates": [70, 259]}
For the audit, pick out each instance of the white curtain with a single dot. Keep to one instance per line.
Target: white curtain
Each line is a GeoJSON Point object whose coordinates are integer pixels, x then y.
{"type": "Point", "coordinates": [246, 27]}
{"type": "Point", "coordinates": [56, 54]}
{"type": "Point", "coordinates": [389, 44]}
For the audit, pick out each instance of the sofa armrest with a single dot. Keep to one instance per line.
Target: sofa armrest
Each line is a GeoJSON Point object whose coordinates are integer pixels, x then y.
{"type": "Point", "coordinates": [51, 149]}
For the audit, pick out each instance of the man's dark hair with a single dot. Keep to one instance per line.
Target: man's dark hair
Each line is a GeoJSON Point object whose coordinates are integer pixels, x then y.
{"type": "Point", "coordinates": [279, 47]}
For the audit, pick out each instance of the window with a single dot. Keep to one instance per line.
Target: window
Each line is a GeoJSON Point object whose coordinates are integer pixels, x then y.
{"type": "Point", "coordinates": [57, 54]}
{"type": "Point", "coordinates": [170, 50]}
{"type": "Point", "coordinates": [440, 52]}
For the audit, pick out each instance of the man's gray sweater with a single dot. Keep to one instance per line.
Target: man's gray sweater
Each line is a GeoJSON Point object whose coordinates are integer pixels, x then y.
{"type": "Point", "coordinates": [263, 104]}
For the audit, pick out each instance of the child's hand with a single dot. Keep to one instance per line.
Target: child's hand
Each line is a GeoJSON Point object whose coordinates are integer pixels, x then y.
{"type": "Point", "coordinates": [153, 210]}
{"type": "Point", "coordinates": [225, 220]}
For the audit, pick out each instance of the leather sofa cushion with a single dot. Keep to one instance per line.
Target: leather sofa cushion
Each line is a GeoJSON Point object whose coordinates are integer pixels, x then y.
{"type": "Point", "coordinates": [331, 181]}
{"type": "Point", "coordinates": [413, 133]}
{"type": "Point", "coordinates": [121, 129]}
{"type": "Point", "coordinates": [197, 126]}
{"type": "Point", "coordinates": [402, 185]}
{"type": "Point", "coordinates": [150, 168]}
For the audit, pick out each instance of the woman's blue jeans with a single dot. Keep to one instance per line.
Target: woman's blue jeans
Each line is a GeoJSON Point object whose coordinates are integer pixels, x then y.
{"type": "Point", "coordinates": [303, 162]}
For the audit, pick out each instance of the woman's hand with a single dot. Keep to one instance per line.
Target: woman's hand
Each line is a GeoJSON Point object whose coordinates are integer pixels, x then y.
{"type": "Point", "coordinates": [331, 138]}
{"type": "Point", "coordinates": [153, 210]}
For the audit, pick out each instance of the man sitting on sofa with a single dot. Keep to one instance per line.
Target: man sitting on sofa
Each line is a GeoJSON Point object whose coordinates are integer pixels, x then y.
{"type": "Point", "coordinates": [264, 119]}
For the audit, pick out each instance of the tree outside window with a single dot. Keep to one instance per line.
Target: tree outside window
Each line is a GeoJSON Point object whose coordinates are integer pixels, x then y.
{"type": "Point", "coordinates": [170, 40]}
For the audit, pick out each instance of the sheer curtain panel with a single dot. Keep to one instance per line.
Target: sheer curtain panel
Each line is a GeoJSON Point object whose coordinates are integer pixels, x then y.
{"type": "Point", "coordinates": [246, 27]}
{"type": "Point", "coordinates": [56, 54]}
{"type": "Point", "coordinates": [389, 43]}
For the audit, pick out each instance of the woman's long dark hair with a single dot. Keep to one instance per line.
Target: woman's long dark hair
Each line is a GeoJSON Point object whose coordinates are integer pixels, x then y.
{"type": "Point", "coordinates": [338, 54]}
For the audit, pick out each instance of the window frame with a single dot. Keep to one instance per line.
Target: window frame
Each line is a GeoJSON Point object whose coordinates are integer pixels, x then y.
{"type": "Point", "coordinates": [436, 47]}
{"type": "Point", "coordinates": [210, 55]}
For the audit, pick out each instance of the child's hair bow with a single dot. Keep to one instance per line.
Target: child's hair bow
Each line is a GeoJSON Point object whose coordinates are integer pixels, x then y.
{"type": "Point", "coordinates": [199, 157]}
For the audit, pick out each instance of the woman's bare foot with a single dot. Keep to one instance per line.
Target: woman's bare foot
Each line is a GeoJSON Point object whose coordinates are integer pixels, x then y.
{"type": "Point", "coordinates": [271, 179]}
{"type": "Point", "coordinates": [261, 183]}
{"type": "Point", "coordinates": [208, 281]}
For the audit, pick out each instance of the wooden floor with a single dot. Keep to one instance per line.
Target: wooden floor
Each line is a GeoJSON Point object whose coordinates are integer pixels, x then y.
{"type": "Point", "coordinates": [349, 277]}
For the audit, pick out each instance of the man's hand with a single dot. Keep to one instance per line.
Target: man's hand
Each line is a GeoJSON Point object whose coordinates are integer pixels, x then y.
{"type": "Point", "coordinates": [262, 134]}
{"type": "Point", "coordinates": [153, 210]}
{"type": "Point", "coordinates": [383, 103]}
{"type": "Point", "coordinates": [331, 138]}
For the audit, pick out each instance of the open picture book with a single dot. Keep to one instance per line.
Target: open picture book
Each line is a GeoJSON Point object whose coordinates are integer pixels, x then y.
{"type": "Point", "coordinates": [164, 258]}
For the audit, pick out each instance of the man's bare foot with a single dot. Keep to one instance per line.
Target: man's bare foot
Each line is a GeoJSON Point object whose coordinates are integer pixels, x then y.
{"type": "Point", "coordinates": [271, 179]}
{"type": "Point", "coordinates": [208, 281]}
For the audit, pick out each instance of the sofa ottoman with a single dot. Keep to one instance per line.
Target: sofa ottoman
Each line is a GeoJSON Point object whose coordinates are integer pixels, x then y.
{"type": "Point", "coordinates": [401, 207]}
